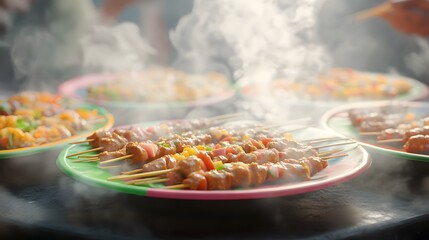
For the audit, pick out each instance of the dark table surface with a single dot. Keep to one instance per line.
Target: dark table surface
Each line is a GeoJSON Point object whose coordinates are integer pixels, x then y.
{"type": "Point", "coordinates": [388, 201]}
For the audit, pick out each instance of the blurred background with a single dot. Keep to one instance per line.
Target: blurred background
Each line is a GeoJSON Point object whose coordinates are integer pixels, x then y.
{"type": "Point", "coordinates": [48, 42]}
{"type": "Point", "coordinates": [45, 43]}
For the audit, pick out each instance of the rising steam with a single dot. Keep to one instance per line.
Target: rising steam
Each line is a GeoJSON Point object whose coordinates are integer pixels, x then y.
{"type": "Point", "coordinates": [258, 39]}
{"type": "Point", "coordinates": [72, 41]}
{"type": "Point", "coordinates": [418, 61]}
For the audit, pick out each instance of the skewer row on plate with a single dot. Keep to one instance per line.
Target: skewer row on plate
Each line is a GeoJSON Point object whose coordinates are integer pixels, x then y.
{"type": "Point", "coordinates": [221, 154]}
{"type": "Point", "coordinates": [393, 128]}
{"type": "Point", "coordinates": [34, 118]}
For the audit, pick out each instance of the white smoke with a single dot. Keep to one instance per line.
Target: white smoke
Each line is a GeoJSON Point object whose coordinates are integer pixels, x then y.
{"type": "Point", "coordinates": [258, 39]}
{"type": "Point", "coordinates": [418, 62]}
{"type": "Point", "coordinates": [117, 48]}
{"type": "Point", "coordinates": [71, 41]}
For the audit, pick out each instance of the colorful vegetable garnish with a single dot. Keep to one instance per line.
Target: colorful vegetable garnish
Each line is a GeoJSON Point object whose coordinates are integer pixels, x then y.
{"type": "Point", "coordinates": [160, 85]}
{"type": "Point", "coordinates": [33, 118]}
{"type": "Point", "coordinates": [339, 84]}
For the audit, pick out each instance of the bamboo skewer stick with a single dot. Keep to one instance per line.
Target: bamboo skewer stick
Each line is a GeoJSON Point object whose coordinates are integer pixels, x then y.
{"type": "Point", "coordinates": [328, 140]}
{"type": "Point", "coordinates": [83, 141]}
{"type": "Point", "coordinates": [140, 180]}
{"type": "Point", "coordinates": [87, 151]}
{"type": "Point", "coordinates": [326, 153]}
{"type": "Point", "coordinates": [336, 144]}
{"type": "Point", "coordinates": [116, 159]}
{"type": "Point", "coordinates": [151, 181]}
{"type": "Point", "coordinates": [373, 12]}
{"type": "Point", "coordinates": [139, 170]}
{"type": "Point", "coordinates": [88, 156]}
{"type": "Point", "coordinates": [141, 175]}
{"type": "Point", "coordinates": [370, 133]}
{"type": "Point", "coordinates": [390, 140]}
{"type": "Point", "coordinates": [178, 186]}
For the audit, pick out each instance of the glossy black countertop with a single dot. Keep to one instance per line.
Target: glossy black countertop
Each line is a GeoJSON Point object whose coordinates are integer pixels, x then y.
{"type": "Point", "coordinates": [390, 201]}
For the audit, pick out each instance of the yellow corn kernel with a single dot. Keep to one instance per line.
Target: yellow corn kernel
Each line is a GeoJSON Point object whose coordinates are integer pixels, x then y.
{"type": "Point", "coordinates": [246, 137]}
{"type": "Point", "coordinates": [240, 149]}
{"type": "Point", "coordinates": [201, 147]}
{"type": "Point", "coordinates": [178, 157]}
{"type": "Point", "coordinates": [190, 151]}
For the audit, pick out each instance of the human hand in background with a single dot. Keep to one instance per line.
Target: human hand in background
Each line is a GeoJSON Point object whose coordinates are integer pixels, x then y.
{"type": "Point", "coordinates": [111, 9]}
{"type": "Point", "coordinates": [409, 16]}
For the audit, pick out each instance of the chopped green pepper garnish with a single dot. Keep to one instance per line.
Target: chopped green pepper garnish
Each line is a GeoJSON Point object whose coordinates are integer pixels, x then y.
{"type": "Point", "coordinates": [24, 125]}
{"type": "Point", "coordinates": [218, 165]}
{"type": "Point", "coordinates": [164, 144]}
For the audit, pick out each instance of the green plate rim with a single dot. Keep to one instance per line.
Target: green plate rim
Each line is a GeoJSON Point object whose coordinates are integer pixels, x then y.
{"type": "Point", "coordinates": [418, 91]}
{"type": "Point", "coordinates": [327, 117]}
{"type": "Point", "coordinates": [89, 174]}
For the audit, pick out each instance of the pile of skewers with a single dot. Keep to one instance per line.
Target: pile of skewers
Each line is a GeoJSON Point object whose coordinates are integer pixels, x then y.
{"type": "Point", "coordinates": [34, 118]}
{"type": "Point", "coordinates": [393, 127]}
{"type": "Point", "coordinates": [201, 155]}
{"type": "Point", "coordinates": [177, 86]}
{"type": "Point", "coordinates": [339, 84]}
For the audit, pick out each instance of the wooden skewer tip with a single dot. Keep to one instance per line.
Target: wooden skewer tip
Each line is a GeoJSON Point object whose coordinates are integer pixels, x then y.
{"type": "Point", "coordinates": [87, 151]}
{"type": "Point", "coordinates": [178, 186]}
{"type": "Point", "coordinates": [151, 181]}
{"type": "Point", "coordinates": [370, 133]}
{"type": "Point", "coordinates": [390, 140]}
{"type": "Point", "coordinates": [83, 141]}
{"type": "Point", "coordinates": [116, 159]}
{"type": "Point", "coordinates": [132, 171]}
{"type": "Point", "coordinates": [141, 175]}
{"type": "Point", "coordinates": [336, 144]}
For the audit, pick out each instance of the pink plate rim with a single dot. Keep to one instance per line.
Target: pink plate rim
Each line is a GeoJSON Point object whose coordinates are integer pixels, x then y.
{"type": "Point", "coordinates": [265, 192]}
{"type": "Point", "coordinates": [69, 88]}
{"type": "Point", "coordinates": [288, 189]}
